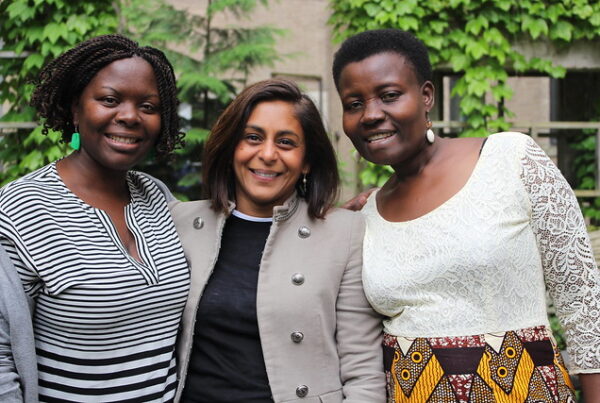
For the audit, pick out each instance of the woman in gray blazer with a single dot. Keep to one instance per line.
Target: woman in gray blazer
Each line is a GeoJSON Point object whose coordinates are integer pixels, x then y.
{"type": "Point", "coordinates": [18, 365]}
{"type": "Point", "coordinates": [276, 310]}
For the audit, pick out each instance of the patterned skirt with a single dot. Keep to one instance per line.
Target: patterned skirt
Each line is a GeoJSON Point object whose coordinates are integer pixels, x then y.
{"type": "Point", "coordinates": [515, 366]}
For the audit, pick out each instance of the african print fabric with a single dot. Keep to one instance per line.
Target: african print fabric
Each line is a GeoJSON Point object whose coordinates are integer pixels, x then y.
{"type": "Point", "coordinates": [515, 366]}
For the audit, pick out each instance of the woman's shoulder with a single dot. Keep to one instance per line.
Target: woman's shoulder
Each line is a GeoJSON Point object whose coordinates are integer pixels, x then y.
{"type": "Point", "coordinates": [343, 213]}
{"type": "Point", "coordinates": [343, 219]}
{"type": "Point", "coordinates": [146, 182]}
{"type": "Point", "coordinates": [191, 216]}
{"type": "Point", "coordinates": [39, 176]}
{"type": "Point", "coordinates": [515, 140]}
{"type": "Point", "coordinates": [181, 209]}
{"type": "Point", "coordinates": [185, 206]}
{"type": "Point", "coordinates": [33, 185]}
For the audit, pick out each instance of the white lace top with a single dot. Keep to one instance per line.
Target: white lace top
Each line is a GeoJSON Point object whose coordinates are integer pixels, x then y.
{"type": "Point", "coordinates": [481, 262]}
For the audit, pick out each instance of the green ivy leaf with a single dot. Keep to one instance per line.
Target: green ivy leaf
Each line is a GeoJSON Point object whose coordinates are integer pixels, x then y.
{"type": "Point", "coordinates": [438, 26]}
{"type": "Point", "coordinates": [504, 5]}
{"type": "Point", "coordinates": [53, 31]}
{"type": "Point", "coordinates": [557, 71]}
{"type": "Point", "coordinates": [470, 103]}
{"type": "Point", "coordinates": [595, 19]}
{"type": "Point", "coordinates": [372, 9]}
{"type": "Point", "coordinates": [554, 12]}
{"type": "Point", "coordinates": [475, 25]}
{"type": "Point", "coordinates": [583, 11]}
{"type": "Point", "coordinates": [489, 110]}
{"type": "Point", "coordinates": [20, 10]}
{"type": "Point", "coordinates": [493, 35]}
{"type": "Point", "coordinates": [478, 87]}
{"type": "Point", "coordinates": [562, 30]}
{"type": "Point", "coordinates": [500, 92]}
{"type": "Point", "coordinates": [477, 49]}
{"type": "Point", "coordinates": [499, 54]}
{"type": "Point", "coordinates": [434, 42]}
{"type": "Point", "coordinates": [459, 61]}
{"type": "Point", "coordinates": [476, 121]}
{"type": "Point", "coordinates": [32, 161]}
{"type": "Point", "coordinates": [79, 23]}
{"type": "Point", "coordinates": [535, 26]}
{"type": "Point", "coordinates": [458, 3]}
{"type": "Point", "coordinates": [34, 61]}
{"type": "Point", "coordinates": [405, 7]}
{"type": "Point", "coordinates": [408, 23]}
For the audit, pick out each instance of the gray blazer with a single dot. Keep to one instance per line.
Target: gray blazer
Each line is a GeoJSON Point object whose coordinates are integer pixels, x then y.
{"type": "Point", "coordinates": [18, 363]}
{"type": "Point", "coordinates": [321, 340]}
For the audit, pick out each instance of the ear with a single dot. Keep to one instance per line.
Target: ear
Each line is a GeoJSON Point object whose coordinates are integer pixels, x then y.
{"type": "Point", "coordinates": [428, 94]}
{"type": "Point", "coordinates": [306, 168]}
{"type": "Point", "coordinates": [75, 112]}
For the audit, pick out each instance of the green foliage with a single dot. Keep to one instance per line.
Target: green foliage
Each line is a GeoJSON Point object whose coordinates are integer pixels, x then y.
{"type": "Point", "coordinates": [475, 39]}
{"type": "Point", "coordinates": [37, 31]}
{"type": "Point", "coordinates": [375, 175]}
{"type": "Point", "coordinates": [585, 173]}
{"type": "Point", "coordinates": [222, 58]}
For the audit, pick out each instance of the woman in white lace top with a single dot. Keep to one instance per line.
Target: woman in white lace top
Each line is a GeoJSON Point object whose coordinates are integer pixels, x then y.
{"type": "Point", "coordinates": [462, 242]}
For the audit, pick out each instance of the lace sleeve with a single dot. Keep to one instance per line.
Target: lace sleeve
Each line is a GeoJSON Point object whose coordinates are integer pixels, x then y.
{"type": "Point", "coordinates": [570, 272]}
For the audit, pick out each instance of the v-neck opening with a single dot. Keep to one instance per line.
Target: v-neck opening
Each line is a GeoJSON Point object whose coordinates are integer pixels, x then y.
{"type": "Point", "coordinates": [146, 265]}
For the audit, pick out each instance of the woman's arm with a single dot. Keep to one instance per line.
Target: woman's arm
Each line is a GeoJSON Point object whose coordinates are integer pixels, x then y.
{"type": "Point", "coordinates": [15, 334]}
{"type": "Point", "coordinates": [358, 330]}
{"type": "Point", "coordinates": [590, 386]}
{"type": "Point", "coordinates": [10, 387]}
{"type": "Point", "coordinates": [18, 363]}
{"type": "Point", "coordinates": [570, 270]}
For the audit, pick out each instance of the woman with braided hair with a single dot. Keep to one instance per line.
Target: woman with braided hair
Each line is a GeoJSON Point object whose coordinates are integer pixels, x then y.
{"type": "Point", "coordinates": [93, 242]}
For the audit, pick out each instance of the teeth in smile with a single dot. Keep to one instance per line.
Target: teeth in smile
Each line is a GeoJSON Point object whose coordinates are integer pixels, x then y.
{"type": "Point", "coordinates": [380, 136]}
{"type": "Point", "coordinates": [265, 174]}
{"type": "Point", "coordinates": [125, 140]}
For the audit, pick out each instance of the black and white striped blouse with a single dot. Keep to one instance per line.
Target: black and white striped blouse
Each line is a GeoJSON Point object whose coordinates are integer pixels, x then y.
{"type": "Point", "coordinates": [105, 324]}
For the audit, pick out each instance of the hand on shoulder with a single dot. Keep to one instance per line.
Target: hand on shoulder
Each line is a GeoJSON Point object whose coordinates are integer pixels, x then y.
{"type": "Point", "coordinates": [359, 201]}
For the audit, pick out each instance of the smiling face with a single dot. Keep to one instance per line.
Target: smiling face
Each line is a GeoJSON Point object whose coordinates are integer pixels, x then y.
{"type": "Point", "coordinates": [269, 158]}
{"type": "Point", "coordinates": [385, 108]}
{"type": "Point", "coordinates": [118, 115]}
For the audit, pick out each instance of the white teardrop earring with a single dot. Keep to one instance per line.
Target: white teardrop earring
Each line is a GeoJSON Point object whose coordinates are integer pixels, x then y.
{"type": "Point", "coordinates": [430, 135]}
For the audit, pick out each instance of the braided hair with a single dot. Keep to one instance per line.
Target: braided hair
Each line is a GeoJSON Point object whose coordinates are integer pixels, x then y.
{"type": "Point", "coordinates": [63, 80]}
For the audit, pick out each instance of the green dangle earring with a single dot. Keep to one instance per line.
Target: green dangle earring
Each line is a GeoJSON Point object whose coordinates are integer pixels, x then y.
{"type": "Point", "coordinates": [75, 140]}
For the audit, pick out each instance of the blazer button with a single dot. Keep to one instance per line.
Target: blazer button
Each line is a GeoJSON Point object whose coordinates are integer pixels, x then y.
{"type": "Point", "coordinates": [302, 391]}
{"type": "Point", "coordinates": [303, 232]}
{"type": "Point", "coordinates": [198, 223]}
{"type": "Point", "coordinates": [298, 279]}
{"type": "Point", "coordinates": [297, 337]}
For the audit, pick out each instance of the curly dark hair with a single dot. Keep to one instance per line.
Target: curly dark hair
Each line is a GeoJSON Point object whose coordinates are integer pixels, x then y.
{"type": "Point", "coordinates": [218, 177]}
{"type": "Point", "coordinates": [63, 80]}
{"type": "Point", "coordinates": [369, 43]}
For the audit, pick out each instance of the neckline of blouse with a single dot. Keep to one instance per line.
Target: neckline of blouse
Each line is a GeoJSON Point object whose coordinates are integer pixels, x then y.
{"type": "Point", "coordinates": [474, 173]}
{"type": "Point", "coordinates": [71, 194]}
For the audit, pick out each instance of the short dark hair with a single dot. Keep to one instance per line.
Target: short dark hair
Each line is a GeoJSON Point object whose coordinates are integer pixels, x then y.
{"type": "Point", "coordinates": [63, 80]}
{"type": "Point", "coordinates": [369, 43]}
{"type": "Point", "coordinates": [217, 173]}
